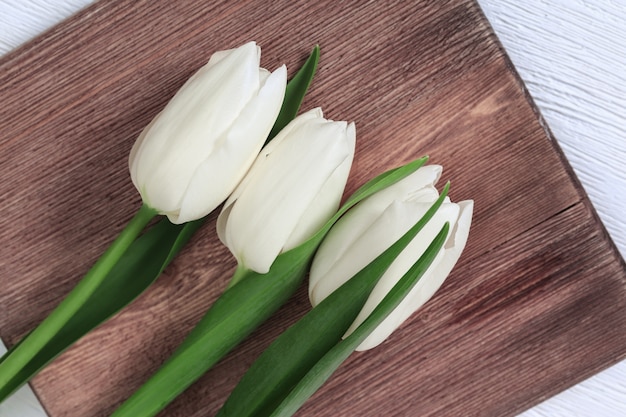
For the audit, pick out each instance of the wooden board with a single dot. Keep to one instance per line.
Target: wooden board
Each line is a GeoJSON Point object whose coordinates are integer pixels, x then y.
{"type": "Point", "coordinates": [535, 305]}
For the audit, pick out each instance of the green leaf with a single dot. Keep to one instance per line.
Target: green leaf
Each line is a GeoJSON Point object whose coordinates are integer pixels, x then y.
{"type": "Point", "coordinates": [295, 92]}
{"type": "Point", "coordinates": [116, 291]}
{"type": "Point", "coordinates": [21, 362]}
{"type": "Point", "coordinates": [293, 354]}
{"type": "Point", "coordinates": [136, 270]}
{"type": "Point", "coordinates": [324, 368]}
{"type": "Point", "coordinates": [234, 315]}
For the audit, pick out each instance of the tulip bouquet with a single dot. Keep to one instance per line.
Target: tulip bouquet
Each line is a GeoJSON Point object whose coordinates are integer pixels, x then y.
{"type": "Point", "coordinates": [373, 261]}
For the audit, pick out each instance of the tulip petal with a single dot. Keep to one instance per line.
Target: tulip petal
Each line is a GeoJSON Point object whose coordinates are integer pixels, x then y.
{"type": "Point", "coordinates": [220, 173]}
{"type": "Point", "coordinates": [333, 253]}
{"type": "Point", "coordinates": [219, 55]}
{"type": "Point", "coordinates": [325, 203]}
{"type": "Point", "coordinates": [258, 166]}
{"type": "Point", "coordinates": [392, 223]}
{"type": "Point", "coordinates": [133, 159]}
{"type": "Point", "coordinates": [425, 287]}
{"type": "Point", "coordinates": [291, 170]}
{"type": "Point", "coordinates": [430, 282]}
{"type": "Point", "coordinates": [411, 188]}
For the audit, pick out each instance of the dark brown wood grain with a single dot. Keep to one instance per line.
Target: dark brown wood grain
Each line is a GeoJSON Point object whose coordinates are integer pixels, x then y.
{"type": "Point", "coordinates": [535, 305]}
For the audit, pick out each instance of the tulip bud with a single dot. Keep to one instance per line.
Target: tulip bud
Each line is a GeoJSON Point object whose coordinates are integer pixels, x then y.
{"type": "Point", "coordinates": [294, 186]}
{"type": "Point", "coordinates": [194, 153]}
{"type": "Point", "coordinates": [374, 225]}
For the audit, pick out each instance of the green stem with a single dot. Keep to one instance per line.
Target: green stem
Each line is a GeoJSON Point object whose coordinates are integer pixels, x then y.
{"type": "Point", "coordinates": [239, 274]}
{"type": "Point", "coordinates": [39, 337]}
{"type": "Point", "coordinates": [233, 316]}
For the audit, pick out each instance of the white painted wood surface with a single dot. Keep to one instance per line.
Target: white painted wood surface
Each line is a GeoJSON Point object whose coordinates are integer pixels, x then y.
{"type": "Point", "coordinates": [572, 56]}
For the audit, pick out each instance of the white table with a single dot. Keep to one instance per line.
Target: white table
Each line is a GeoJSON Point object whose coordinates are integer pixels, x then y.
{"type": "Point", "coordinates": [572, 56]}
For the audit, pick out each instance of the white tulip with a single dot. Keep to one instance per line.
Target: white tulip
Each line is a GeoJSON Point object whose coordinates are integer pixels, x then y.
{"type": "Point", "coordinates": [374, 225]}
{"type": "Point", "coordinates": [294, 186]}
{"type": "Point", "coordinates": [194, 153]}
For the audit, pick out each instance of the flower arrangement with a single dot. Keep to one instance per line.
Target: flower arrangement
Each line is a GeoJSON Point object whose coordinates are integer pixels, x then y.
{"type": "Point", "coordinates": [232, 135]}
